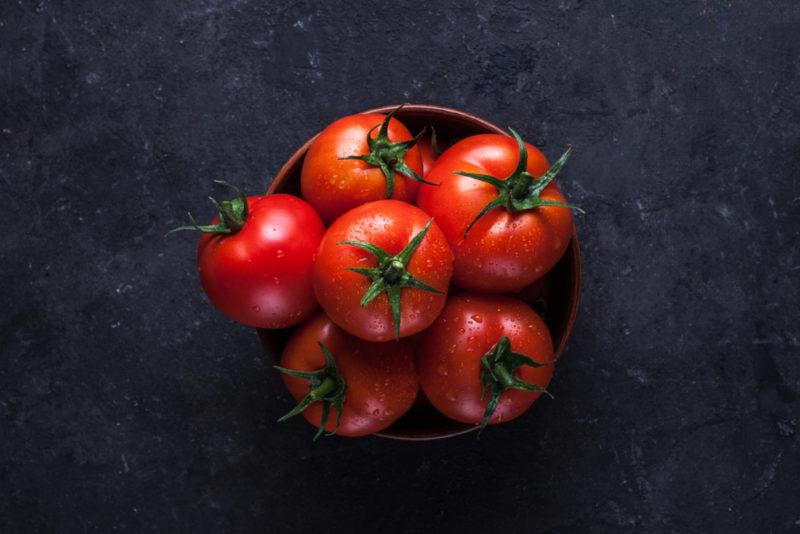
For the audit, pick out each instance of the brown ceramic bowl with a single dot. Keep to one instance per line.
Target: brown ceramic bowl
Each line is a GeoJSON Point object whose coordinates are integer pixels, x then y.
{"type": "Point", "coordinates": [555, 297]}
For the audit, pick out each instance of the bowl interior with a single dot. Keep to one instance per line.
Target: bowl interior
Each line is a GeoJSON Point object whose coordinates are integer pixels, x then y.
{"type": "Point", "coordinates": [555, 297]}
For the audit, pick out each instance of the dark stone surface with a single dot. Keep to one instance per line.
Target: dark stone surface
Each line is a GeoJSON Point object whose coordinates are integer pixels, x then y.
{"type": "Point", "coordinates": [128, 404]}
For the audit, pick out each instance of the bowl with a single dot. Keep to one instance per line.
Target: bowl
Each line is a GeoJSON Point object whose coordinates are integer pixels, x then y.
{"type": "Point", "coordinates": [555, 297]}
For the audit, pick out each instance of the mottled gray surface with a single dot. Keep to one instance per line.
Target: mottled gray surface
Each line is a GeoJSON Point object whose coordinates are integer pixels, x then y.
{"type": "Point", "coordinates": [127, 403]}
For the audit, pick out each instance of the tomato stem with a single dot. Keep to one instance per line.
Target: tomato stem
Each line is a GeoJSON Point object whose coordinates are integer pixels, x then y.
{"type": "Point", "coordinates": [232, 215]}
{"type": "Point", "coordinates": [434, 143]}
{"type": "Point", "coordinates": [391, 275]}
{"type": "Point", "coordinates": [322, 391]}
{"type": "Point", "coordinates": [388, 155]}
{"type": "Point", "coordinates": [497, 375]}
{"type": "Point", "coordinates": [327, 386]}
{"type": "Point", "coordinates": [520, 190]}
{"type": "Point", "coordinates": [394, 271]}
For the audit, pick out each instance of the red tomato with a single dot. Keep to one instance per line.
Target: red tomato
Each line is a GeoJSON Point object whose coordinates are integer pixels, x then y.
{"type": "Point", "coordinates": [527, 225]}
{"type": "Point", "coordinates": [255, 263]}
{"type": "Point", "coordinates": [489, 342]}
{"type": "Point", "coordinates": [358, 159]}
{"type": "Point", "coordinates": [383, 270]}
{"type": "Point", "coordinates": [368, 385]}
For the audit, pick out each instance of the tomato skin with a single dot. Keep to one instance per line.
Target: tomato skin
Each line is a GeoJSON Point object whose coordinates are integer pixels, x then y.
{"type": "Point", "coordinates": [389, 224]}
{"type": "Point", "coordinates": [449, 355]}
{"type": "Point", "coordinates": [333, 185]}
{"type": "Point", "coordinates": [381, 378]}
{"type": "Point", "coordinates": [261, 275]}
{"type": "Point", "coordinates": [503, 252]}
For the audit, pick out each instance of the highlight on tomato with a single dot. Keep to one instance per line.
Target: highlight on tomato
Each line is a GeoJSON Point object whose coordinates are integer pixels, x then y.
{"type": "Point", "coordinates": [361, 158]}
{"type": "Point", "coordinates": [383, 270]}
{"type": "Point", "coordinates": [504, 216]}
{"type": "Point", "coordinates": [366, 385]}
{"type": "Point", "coordinates": [255, 258]}
{"type": "Point", "coordinates": [486, 359]}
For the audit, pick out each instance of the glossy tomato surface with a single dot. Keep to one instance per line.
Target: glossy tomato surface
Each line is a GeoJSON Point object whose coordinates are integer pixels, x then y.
{"type": "Point", "coordinates": [450, 351]}
{"type": "Point", "coordinates": [333, 185]}
{"type": "Point", "coordinates": [381, 381]}
{"type": "Point", "coordinates": [262, 275]}
{"type": "Point", "coordinates": [503, 252]}
{"type": "Point", "coordinates": [389, 224]}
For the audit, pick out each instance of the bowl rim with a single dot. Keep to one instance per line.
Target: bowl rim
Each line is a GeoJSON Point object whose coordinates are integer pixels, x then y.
{"type": "Point", "coordinates": [575, 266]}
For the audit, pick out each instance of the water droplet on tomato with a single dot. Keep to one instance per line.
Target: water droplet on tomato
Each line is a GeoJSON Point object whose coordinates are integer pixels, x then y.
{"type": "Point", "coordinates": [280, 253]}
{"type": "Point", "coordinates": [256, 309]}
{"type": "Point", "coordinates": [477, 318]}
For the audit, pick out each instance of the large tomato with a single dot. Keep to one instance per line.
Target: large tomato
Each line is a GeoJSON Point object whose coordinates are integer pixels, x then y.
{"type": "Point", "coordinates": [255, 259]}
{"type": "Point", "coordinates": [505, 218]}
{"type": "Point", "coordinates": [358, 159]}
{"type": "Point", "coordinates": [368, 385]}
{"type": "Point", "coordinates": [383, 270]}
{"type": "Point", "coordinates": [486, 359]}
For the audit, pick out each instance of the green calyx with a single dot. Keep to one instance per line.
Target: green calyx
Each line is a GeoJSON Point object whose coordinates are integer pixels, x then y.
{"type": "Point", "coordinates": [520, 190]}
{"type": "Point", "coordinates": [434, 143]}
{"type": "Point", "coordinates": [497, 375]}
{"type": "Point", "coordinates": [232, 215]}
{"type": "Point", "coordinates": [388, 155]}
{"type": "Point", "coordinates": [391, 274]}
{"type": "Point", "coordinates": [327, 386]}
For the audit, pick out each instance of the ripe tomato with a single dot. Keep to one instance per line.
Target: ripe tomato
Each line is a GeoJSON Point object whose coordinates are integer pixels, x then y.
{"type": "Point", "coordinates": [485, 359]}
{"type": "Point", "coordinates": [369, 385]}
{"type": "Point", "coordinates": [358, 159]}
{"type": "Point", "coordinates": [255, 259]}
{"type": "Point", "coordinates": [506, 221]}
{"type": "Point", "coordinates": [383, 270]}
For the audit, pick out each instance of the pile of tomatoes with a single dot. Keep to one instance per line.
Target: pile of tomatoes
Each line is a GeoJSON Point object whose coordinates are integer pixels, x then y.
{"type": "Point", "coordinates": [399, 264]}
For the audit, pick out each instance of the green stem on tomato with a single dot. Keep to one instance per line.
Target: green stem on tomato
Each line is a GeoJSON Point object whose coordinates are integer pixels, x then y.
{"type": "Point", "coordinates": [497, 375]}
{"type": "Point", "coordinates": [520, 190]}
{"type": "Point", "coordinates": [389, 156]}
{"type": "Point", "coordinates": [327, 386]}
{"type": "Point", "coordinates": [232, 215]}
{"type": "Point", "coordinates": [391, 274]}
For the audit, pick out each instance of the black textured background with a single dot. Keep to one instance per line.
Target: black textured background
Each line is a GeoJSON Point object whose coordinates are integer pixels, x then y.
{"type": "Point", "coordinates": [128, 404]}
